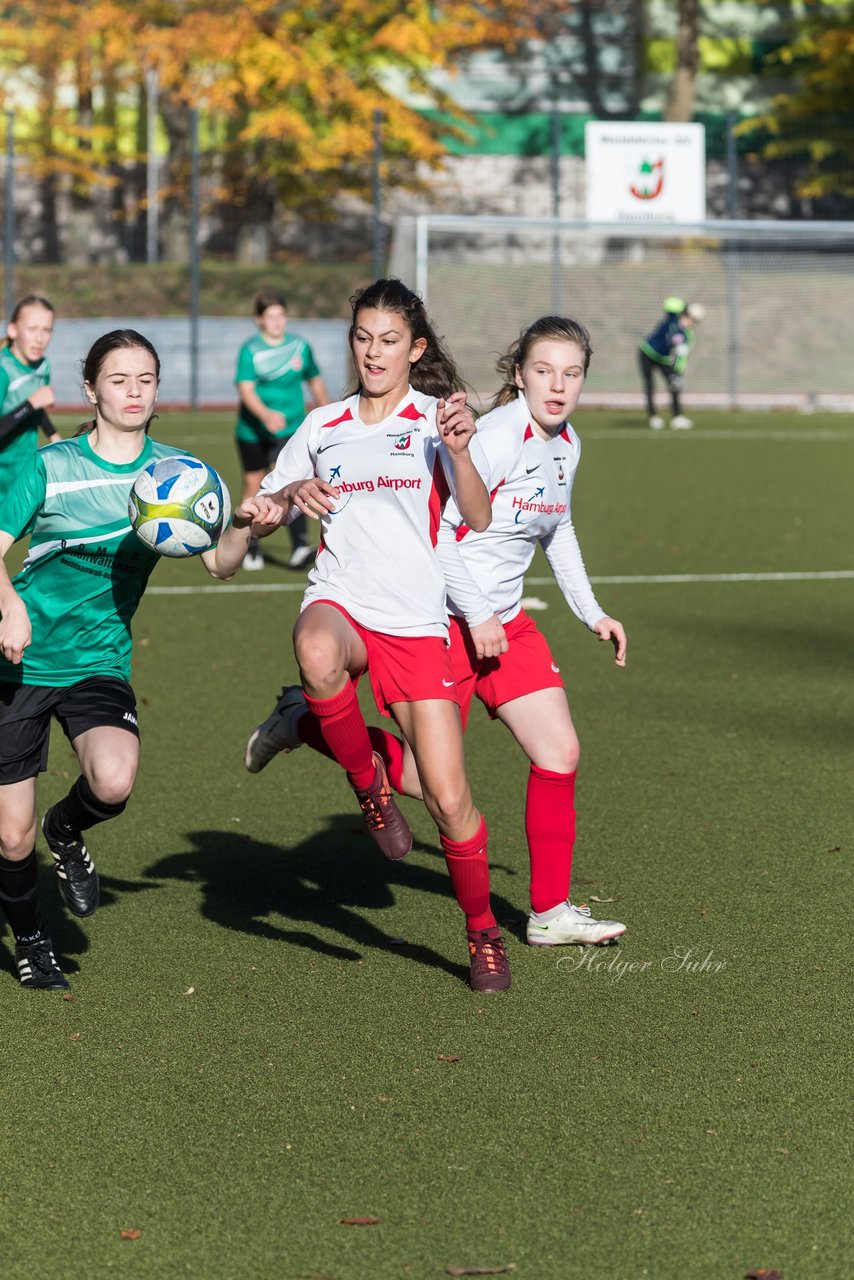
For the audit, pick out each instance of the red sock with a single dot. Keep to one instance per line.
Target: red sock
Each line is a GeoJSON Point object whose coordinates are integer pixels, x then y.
{"type": "Point", "coordinates": [468, 867]}
{"type": "Point", "coordinates": [345, 734]}
{"type": "Point", "coordinates": [550, 828]}
{"type": "Point", "coordinates": [390, 749]}
{"type": "Point", "coordinates": [385, 744]}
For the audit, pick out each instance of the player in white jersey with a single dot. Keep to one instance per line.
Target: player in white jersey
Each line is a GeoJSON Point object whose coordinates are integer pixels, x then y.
{"type": "Point", "coordinates": [498, 651]}
{"type": "Point", "coordinates": [377, 469]}
{"type": "Point", "coordinates": [499, 654]}
{"type": "Point", "coordinates": [65, 640]}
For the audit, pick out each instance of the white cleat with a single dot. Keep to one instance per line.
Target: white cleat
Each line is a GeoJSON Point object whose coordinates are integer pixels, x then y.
{"type": "Point", "coordinates": [656, 422]}
{"type": "Point", "coordinates": [253, 560]}
{"type": "Point", "coordinates": [278, 734]}
{"type": "Point", "coordinates": [681, 423]}
{"type": "Point", "coordinates": [574, 926]}
{"type": "Point", "coordinates": [301, 556]}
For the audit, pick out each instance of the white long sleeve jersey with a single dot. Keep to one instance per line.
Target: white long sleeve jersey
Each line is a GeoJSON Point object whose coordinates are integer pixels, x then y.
{"type": "Point", "coordinates": [377, 554]}
{"type": "Point", "coordinates": [530, 482]}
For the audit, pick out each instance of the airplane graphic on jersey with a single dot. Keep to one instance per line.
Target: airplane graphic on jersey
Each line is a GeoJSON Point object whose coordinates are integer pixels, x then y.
{"type": "Point", "coordinates": [335, 473]}
{"type": "Point", "coordinates": [533, 498]}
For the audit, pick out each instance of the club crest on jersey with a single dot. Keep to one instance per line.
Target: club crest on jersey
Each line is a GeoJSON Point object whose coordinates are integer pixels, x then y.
{"type": "Point", "coordinates": [561, 474]}
{"type": "Point", "coordinates": [402, 444]}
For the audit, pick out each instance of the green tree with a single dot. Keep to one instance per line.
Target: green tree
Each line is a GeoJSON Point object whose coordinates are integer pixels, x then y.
{"type": "Point", "coordinates": [815, 119]}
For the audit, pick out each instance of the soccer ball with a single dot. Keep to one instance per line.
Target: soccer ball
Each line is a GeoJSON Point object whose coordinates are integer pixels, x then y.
{"type": "Point", "coordinates": [178, 506]}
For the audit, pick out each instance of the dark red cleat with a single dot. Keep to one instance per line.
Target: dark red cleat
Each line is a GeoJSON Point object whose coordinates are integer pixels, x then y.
{"type": "Point", "coordinates": [490, 968]}
{"type": "Point", "coordinates": [384, 821]}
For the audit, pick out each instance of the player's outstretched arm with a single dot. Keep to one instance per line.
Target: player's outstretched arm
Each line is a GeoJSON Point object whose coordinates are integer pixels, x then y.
{"type": "Point", "coordinates": [255, 517]}
{"type": "Point", "coordinates": [611, 629]}
{"type": "Point", "coordinates": [16, 632]}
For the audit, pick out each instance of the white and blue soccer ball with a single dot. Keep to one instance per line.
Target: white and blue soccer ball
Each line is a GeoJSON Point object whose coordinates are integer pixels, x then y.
{"type": "Point", "coordinates": [178, 506]}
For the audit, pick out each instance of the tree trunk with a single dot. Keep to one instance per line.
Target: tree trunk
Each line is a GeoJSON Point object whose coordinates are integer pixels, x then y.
{"type": "Point", "coordinates": [680, 99]}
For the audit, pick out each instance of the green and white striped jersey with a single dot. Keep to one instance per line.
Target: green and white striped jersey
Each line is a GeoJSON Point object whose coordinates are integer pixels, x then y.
{"type": "Point", "coordinates": [85, 570]}
{"type": "Point", "coordinates": [18, 381]}
{"type": "Point", "coordinates": [278, 371]}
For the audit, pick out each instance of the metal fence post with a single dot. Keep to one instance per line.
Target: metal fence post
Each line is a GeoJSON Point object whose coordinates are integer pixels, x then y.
{"type": "Point", "coordinates": [195, 216]}
{"type": "Point", "coordinates": [732, 264]}
{"type": "Point", "coordinates": [9, 243]}
{"type": "Point", "coordinates": [377, 195]}
{"type": "Point", "coordinates": [152, 86]}
{"type": "Point", "coordinates": [555, 183]}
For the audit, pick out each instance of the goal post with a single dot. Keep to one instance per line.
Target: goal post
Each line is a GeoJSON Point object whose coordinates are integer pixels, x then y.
{"type": "Point", "coordinates": [778, 298]}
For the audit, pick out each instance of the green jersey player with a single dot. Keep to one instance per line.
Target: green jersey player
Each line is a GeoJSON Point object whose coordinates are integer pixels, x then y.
{"type": "Point", "coordinates": [65, 637]}
{"type": "Point", "coordinates": [273, 369]}
{"type": "Point", "coordinates": [24, 390]}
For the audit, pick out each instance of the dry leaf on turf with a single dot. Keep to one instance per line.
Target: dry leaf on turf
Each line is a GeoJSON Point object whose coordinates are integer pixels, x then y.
{"type": "Point", "coordinates": [189, 992]}
{"type": "Point", "coordinates": [480, 1271]}
{"type": "Point", "coordinates": [132, 1233]}
{"type": "Point", "coordinates": [763, 1274]}
{"type": "Point", "coordinates": [593, 898]}
{"type": "Point", "coordinates": [360, 1222]}
{"type": "Point", "coordinates": [448, 1057]}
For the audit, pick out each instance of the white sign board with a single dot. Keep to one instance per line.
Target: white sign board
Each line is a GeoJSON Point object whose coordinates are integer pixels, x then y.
{"type": "Point", "coordinates": [645, 172]}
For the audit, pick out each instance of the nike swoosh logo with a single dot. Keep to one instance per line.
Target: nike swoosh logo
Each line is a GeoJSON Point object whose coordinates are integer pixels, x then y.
{"type": "Point", "coordinates": [447, 683]}
{"type": "Point", "coordinates": [323, 447]}
{"type": "Point", "coordinates": [555, 669]}
{"type": "Point", "coordinates": [529, 470]}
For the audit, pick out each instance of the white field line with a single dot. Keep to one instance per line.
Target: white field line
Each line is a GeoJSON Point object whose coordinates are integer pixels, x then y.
{"type": "Point", "coordinates": [590, 434]}
{"type": "Point", "coordinates": [828, 575]}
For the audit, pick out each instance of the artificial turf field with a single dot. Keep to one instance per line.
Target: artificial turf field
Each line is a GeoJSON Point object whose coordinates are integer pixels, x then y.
{"type": "Point", "coordinates": [270, 1030]}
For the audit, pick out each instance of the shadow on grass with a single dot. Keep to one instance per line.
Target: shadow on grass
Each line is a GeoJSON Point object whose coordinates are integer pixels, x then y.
{"type": "Point", "coordinates": [324, 883]}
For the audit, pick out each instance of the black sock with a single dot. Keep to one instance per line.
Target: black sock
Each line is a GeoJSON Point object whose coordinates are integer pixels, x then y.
{"type": "Point", "coordinates": [298, 530]}
{"type": "Point", "coordinates": [80, 810]}
{"type": "Point", "coordinates": [19, 898]}
{"type": "Point", "coordinates": [252, 549]}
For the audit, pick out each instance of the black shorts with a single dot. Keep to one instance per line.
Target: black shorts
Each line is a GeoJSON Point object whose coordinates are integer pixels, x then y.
{"type": "Point", "coordinates": [260, 455]}
{"type": "Point", "coordinates": [26, 710]}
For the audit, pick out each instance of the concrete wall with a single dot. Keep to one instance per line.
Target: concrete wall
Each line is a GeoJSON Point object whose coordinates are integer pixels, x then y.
{"type": "Point", "coordinates": [219, 340]}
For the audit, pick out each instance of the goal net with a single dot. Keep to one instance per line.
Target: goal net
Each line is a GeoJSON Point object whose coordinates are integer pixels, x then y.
{"type": "Point", "coordinates": [779, 300]}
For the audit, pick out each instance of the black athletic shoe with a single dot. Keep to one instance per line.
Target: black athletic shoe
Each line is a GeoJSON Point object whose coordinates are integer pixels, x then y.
{"type": "Point", "coordinates": [37, 967]}
{"type": "Point", "coordinates": [78, 879]}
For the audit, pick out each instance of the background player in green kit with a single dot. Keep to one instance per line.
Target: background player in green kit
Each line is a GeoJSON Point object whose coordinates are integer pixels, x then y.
{"type": "Point", "coordinates": [24, 389]}
{"type": "Point", "coordinates": [65, 635]}
{"type": "Point", "coordinates": [272, 370]}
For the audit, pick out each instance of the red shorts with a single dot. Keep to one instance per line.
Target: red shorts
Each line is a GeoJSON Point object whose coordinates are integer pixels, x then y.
{"type": "Point", "coordinates": [526, 667]}
{"type": "Point", "coordinates": [403, 668]}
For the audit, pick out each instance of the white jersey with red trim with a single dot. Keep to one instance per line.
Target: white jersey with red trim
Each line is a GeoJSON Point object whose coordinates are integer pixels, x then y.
{"type": "Point", "coordinates": [530, 483]}
{"type": "Point", "coordinates": [377, 554]}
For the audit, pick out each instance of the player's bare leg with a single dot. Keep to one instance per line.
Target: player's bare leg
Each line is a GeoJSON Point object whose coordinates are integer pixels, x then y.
{"type": "Point", "coordinates": [434, 732]}
{"type": "Point", "coordinates": [330, 653]}
{"type": "Point", "coordinates": [542, 725]}
{"type": "Point", "coordinates": [109, 759]}
{"type": "Point", "coordinates": [19, 889]}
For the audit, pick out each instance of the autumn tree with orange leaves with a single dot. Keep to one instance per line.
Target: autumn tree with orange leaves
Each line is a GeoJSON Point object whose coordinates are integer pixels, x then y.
{"type": "Point", "coordinates": [288, 91]}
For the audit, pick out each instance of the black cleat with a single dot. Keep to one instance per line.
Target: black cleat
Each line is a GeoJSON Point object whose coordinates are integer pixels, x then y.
{"type": "Point", "coordinates": [78, 879]}
{"type": "Point", "coordinates": [37, 967]}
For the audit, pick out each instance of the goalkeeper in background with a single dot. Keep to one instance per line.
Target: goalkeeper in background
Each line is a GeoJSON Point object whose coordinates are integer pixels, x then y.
{"type": "Point", "coordinates": [667, 349]}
